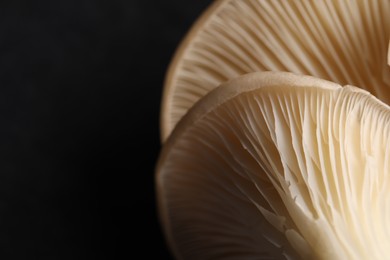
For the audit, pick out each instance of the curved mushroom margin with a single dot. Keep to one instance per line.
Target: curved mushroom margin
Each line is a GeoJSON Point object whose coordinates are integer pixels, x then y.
{"type": "Point", "coordinates": [180, 52]}
{"type": "Point", "coordinates": [222, 94]}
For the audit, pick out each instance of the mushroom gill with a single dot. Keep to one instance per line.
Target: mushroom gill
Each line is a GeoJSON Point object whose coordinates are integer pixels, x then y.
{"type": "Point", "coordinates": [341, 41]}
{"type": "Point", "coordinates": [273, 165]}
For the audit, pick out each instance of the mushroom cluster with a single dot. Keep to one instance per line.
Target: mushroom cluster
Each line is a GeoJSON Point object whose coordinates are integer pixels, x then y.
{"type": "Point", "coordinates": [276, 132]}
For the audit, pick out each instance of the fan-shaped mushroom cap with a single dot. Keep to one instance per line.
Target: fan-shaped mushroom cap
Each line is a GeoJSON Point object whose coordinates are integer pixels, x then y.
{"type": "Point", "coordinates": [275, 165]}
{"type": "Point", "coordinates": [342, 41]}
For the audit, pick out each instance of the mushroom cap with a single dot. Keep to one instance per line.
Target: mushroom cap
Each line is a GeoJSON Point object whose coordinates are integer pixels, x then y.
{"type": "Point", "coordinates": [275, 165]}
{"type": "Point", "coordinates": [341, 41]}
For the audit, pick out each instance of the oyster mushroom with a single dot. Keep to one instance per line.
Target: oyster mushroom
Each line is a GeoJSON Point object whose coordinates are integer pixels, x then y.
{"type": "Point", "coordinates": [273, 165]}
{"type": "Point", "coordinates": [341, 41]}
{"type": "Point", "coordinates": [286, 164]}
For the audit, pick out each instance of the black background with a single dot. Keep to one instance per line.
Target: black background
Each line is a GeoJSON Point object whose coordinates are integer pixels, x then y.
{"type": "Point", "coordinates": [80, 89]}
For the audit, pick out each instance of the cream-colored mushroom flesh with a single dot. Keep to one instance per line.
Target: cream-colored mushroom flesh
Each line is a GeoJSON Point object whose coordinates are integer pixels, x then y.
{"type": "Point", "coordinates": [274, 165]}
{"type": "Point", "coordinates": [388, 55]}
{"type": "Point", "coordinates": [342, 41]}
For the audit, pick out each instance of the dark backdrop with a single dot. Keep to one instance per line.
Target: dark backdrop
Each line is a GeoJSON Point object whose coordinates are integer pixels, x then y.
{"type": "Point", "coordinates": [80, 89]}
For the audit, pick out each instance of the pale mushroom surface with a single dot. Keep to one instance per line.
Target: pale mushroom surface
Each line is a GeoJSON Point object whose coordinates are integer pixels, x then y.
{"type": "Point", "coordinates": [274, 165]}
{"type": "Point", "coordinates": [342, 41]}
